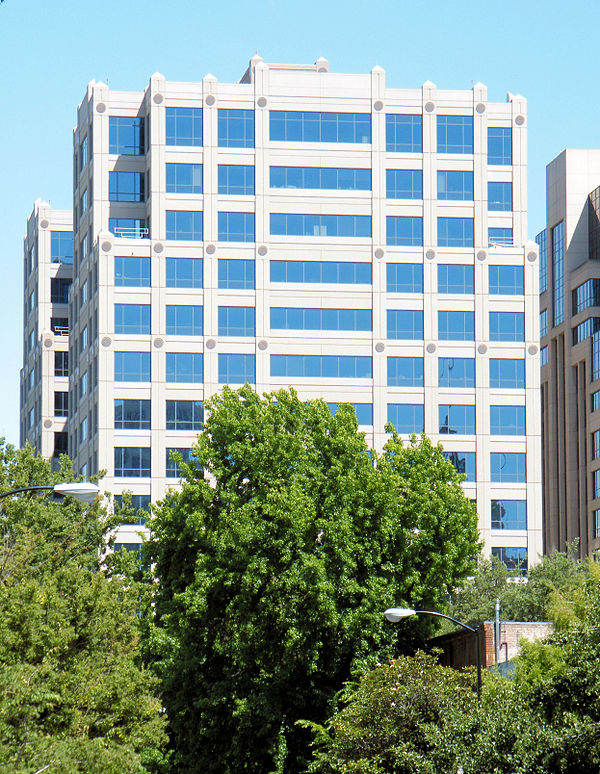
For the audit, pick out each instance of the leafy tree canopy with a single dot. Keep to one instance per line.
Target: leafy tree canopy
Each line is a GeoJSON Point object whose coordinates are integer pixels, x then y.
{"type": "Point", "coordinates": [73, 697]}
{"type": "Point", "coordinates": [274, 564]}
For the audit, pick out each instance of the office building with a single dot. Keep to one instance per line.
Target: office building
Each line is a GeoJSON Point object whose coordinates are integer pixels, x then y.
{"type": "Point", "coordinates": [570, 331]}
{"type": "Point", "coordinates": [47, 277]}
{"type": "Point", "coordinates": [301, 227]}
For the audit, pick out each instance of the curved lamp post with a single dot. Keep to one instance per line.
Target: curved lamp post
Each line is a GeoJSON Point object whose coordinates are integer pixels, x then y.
{"type": "Point", "coordinates": [395, 614]}
{"type": "Point", "coordinates": [83, 491]}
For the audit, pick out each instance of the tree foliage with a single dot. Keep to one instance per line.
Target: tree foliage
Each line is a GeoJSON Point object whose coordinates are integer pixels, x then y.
{"type": "Point", "coordinates": [556, 575]}
{"type": "Point", "coordinates": [73, 696]}
{"type": "Point", "coordinates": [274, 564]}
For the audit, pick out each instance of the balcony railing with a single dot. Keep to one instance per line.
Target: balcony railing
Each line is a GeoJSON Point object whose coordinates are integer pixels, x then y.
{"type": "Point", "coordinates": [132, 232]}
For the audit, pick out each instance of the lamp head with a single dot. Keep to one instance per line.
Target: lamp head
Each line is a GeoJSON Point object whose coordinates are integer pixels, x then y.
{"type": "Point", "coordinates": [83, 491]}
{"type": "Point", "coordinates": [395, 614]}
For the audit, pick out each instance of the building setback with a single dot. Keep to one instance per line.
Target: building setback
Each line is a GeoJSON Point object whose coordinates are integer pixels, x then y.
{"type": "Point", "coordinates": [570, 331]}
{"type": "Point", "coordinates": [361, 243]}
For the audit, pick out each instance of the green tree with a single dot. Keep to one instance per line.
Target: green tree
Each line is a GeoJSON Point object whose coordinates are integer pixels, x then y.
{"type": "Point", "coordinates": [73, 695]}
{"type": "Point", "coordinates": [533, 600]}
{"type": "Point", "coordinates": [274, 564]}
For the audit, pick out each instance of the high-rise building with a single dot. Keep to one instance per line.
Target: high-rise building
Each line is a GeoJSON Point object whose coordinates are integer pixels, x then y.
{"type": "Point", "coordinates": [570, 332]}
{"type": "Point", "coordinates": [47, 277]}
{"type": "Point", "coordinates": [362, 243]}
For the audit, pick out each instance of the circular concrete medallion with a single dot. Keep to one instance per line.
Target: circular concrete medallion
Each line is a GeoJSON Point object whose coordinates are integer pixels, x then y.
{"type": "Point", "coordinates": [480, 108]}
{"type": "Point", "coordinates": [158, 343]}
{"type": "Point", "coordinates": [44, 224]}
{"type": "Point", "coordinates": [100, 107]}
{"type": "Point", "coordinates": [531, 257]}
{"type": "Point", "coordinates": [211, 344]}
{"type": "Point", "coordinates": [481, 255]}
{"type": "Point", "coordinates": [47, 423]}
{"type": "Point", "coordinates": [378, 105]}
{"type": "Point", "coordinates": [106, 341]}
{"type": "Point", "coordinates": [379, 253]}
{"type": "Point", "coordinates": [520, 120]}
{"type": "Point", "coordinates": [429, 107]}
{"type": "Point", "coordinates": [430, 255]}
{"type": "Point", "coordinates": [48, 342]}
{"type": "Point", "coordinates": [159, 247]}
{"type": "Point", "coordinates": [210, 249]}
{"type": "Point", "coordinates": [533, 350]}
{"type": "Point", "coordinates": [106, 247]}
{"type": "Point", "coordinates": [210, 100]}
{"type": "Point", "coordinates": [380, 346]}
{"type": "Point", "coordinates": [158, 98]}
{"type": "Point", "coordinates": [482, 349]}
{"type": "Point", "coordinates": [261, 102]}
{"type": "Point", "coordinates": [262, 250]}
{"type": "Point", "coordinates": [262, 344]}
{"type": "Point", "coordinates": [431, 348]}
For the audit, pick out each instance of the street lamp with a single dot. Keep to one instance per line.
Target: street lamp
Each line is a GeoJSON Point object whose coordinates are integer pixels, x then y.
{"type": "Point", "coordinates": [395, 614]}
{"type": "Point", "coordinates": [83, 491]}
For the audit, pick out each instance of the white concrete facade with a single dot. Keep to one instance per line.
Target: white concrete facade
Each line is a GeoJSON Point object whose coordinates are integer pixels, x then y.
{"type": "Point", "coordinates": [311, 88]}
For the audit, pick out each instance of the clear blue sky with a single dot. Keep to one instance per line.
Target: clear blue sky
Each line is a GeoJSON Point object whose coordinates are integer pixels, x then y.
{"type": "Point", "coordinates": [49, 51]}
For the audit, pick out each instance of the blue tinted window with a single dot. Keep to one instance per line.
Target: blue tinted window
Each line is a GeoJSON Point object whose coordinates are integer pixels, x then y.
{"type": "Point", "coordinates": [406, 417]}
{"type": "Point", "coordinates": [185, 415]}
{"type": "Point", "coordinates": [558, 273]}
{"type": "Point", "coordinates": [508, 467]}
{"type": "Point", "coordinates": [586, 295]}
{"type": "Point", "coordinates": [404, 277]}
{"type": "Point", "coordinates": [132, 366]}
{"type": "Point", "coordinates": [403, 134]}
{"type": "Point", "coordinates": [456, 372]}
{"type": "Point", "coordinates": [455, 185]}
{"type": "Point", "coordinates": [363, 411]}
{"type": "Point", "coordinates": [515, 559]}
{"type": "Point", "coordinates": [464, 462]}
{"type": "Point", "coordinates": [456, 419]}
{"type": "Point", "coordinates": [543, 356]}
{"type": "Point", "coordinates": [236, 180]}
{"type": "Point", "coordinates": [509, 514]}
{"type": "Point", "coordinates": [404, 324]}
{"type": "Point", "coordinates": [184, 178]}
{"type": "Point", "coordinates": [236, 321]}
{"type": "Point", "coordinates": [506, 281]}
{"type": "Point", "coordinates": [184, 272]}
{"type": "Point", "coordinates": [126, 135]}
{"type": "Point", "coordinates": [236, 274]}
{"type": "Point", "coordinates": [543, 323]}
{"type": "Point", "coordinates": [322, 366]}
{"type": "Point", "coordinates": [128, 228]}
{"type": "Point", "coordinates": [500, 236]}
{"type": "Point", "coordinates": [507, 420]}
{"type": "Point", "coordinates": [184, 225]}
{"type": "Point", "coordinates": [500, 197]}
{"type": "Point", "coordinates": [507, 326]}
{"type": "Point", "coordinates": [404, 183]}
{"type": "Point", "coordinates": [321, 178]}
{"type": "Point", "coordinates": [236, 227]}
{"type": "Point", "coordinates": [297, 126]}
{"type": "Point", "coordinates": [132, 318]}
{"type": "Point", "coordinates": [184, 320]}
{"type": "Point", "coordinates": [456, 326]}
{"type": "Point", "coordinates": [132, 462]}
{"type": "Point", "coordinates": [543, 247]}
{"type": "Point", "coordinates": [237, 369]}
{"type": "Point", "coordinates": [132, 271]}
{"type": "Point", "coordinates": [132, 414]}
{"type": "Point", "coordinates": [507, 373]}
{"type": "Point", "coordinates": [139, 503]}
{"type": "Point", "coordinates": [283, 224]}
{"type": "Point", "coordinates": [455, 134]}
{"type": "Point", "coordinates": [184, 367]}
{"type": "Point", "coordinates": [173, 468]}
{"type": "Point", "coordinates": [236, 128]}
{"type": "Point", "coordinates": [61, 246]}
{"type": "Point", "coordinates": [456, 278]}
{"type": "Point", "coordinates": [321, 272]}
{"type": "Point", "coordinates": [125, 187]}
{"type": "Point", "coordinates": [455, 232]}
{"type": "Point", "coordinates": [404, 230]}
{"type": "Point", "coordinates": [500, 145]}
{"type": "Point", "coordinates": [405, 371]}
{"type": "Point", "coordinates": [184, 126]}
{"type": "Point", "coordinates": [293, 318]}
